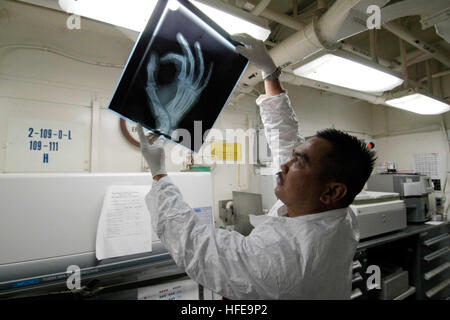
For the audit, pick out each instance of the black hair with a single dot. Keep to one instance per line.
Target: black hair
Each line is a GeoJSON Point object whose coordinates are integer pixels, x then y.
{"type": "Point", "coordinates": [349, 161]}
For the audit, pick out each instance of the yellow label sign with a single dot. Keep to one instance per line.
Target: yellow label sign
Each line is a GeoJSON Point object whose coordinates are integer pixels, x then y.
{"type": "Point", "coordinates": [226, 151]}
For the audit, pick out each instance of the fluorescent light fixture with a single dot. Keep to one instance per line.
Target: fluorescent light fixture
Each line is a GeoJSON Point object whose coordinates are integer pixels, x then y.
{"type": "Point", "coordinates": [130, 14]}
{"type": "Point", "coordinates": [349, 72]}
{"type": "Point", "coordinates": [418, 103]}
{"type": "Point", "coordinates": [134, 14]}
{"type": "Point", "coordinates": [234, 20]}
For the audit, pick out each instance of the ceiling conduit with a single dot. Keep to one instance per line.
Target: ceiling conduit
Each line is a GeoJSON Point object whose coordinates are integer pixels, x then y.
{"type": "Point", "coordinates": [343, 20]}
{"type": "Point", "coordinates": [417, 42]}
{"type": "Point", "coordinates": [261, 10]}
{"type": "Point", "coordinates": [323, 32]}
{"type": "Point", "coordinates": [260, 7]}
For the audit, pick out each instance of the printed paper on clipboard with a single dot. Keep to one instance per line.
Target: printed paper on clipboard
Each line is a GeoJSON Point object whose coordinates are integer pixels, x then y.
{"type": "Point", "coordinates": [182, 70]}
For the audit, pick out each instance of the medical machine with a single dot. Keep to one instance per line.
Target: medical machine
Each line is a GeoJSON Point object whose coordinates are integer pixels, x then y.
{"type": "Point", "coordinates": [378, 213]}
{"type": "Point", "coordinates": [236, 212]}
{"type": "Point", "coordinates": [413, 189]}
{"type": "Point", "coordinates": [48, 222]}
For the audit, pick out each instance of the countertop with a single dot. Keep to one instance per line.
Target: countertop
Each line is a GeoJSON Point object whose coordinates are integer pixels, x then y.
{"type": "Point", "coordinates": [410, 230]}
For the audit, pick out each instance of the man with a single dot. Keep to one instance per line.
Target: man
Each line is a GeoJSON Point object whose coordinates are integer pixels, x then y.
{"type": "Point", "coordinates": [304, 248]}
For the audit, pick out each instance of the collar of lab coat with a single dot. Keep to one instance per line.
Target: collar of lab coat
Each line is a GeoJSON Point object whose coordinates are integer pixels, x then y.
{"type": "Point", "coordinates": [282, 211]}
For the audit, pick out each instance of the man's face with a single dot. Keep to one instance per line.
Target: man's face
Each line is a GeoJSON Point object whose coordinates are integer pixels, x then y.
{"type": "Point", "coordinates": [299, 184]}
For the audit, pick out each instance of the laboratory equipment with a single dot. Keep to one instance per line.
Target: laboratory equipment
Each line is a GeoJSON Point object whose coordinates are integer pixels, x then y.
{"type": "Point", "coordinates": [378, 213]}
{"type": "Point", "coordinates": [236, 211]}
{"type": "Point", "coordinates": [413, 189]}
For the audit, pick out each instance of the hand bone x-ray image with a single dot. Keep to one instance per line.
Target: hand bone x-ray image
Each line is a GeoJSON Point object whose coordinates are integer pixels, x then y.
{"type": "Point", "coordinates": [182, 71]}
{"type": "Point", "coordinates": [169, 103]}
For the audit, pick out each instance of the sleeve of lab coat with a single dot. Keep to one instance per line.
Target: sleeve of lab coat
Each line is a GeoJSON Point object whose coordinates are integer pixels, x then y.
{"type": "Point", "coordinates": [228, 263]}
{"type": "Point", "coordinates": [280, 126]}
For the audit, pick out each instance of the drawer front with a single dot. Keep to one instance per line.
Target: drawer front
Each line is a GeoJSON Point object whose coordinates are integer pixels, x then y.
{"type": "Point", "coordinates": [440, 291]}
{"type": "Point", "coordinates": [435, 243]}
{"type": "Point", "coordinates": [444, 229]}
{"type": "Point", "coordinates": [357, 280]}
{"type": "Point", "coordinates": [436, 280]}
{"type": "Point", "coordinates": [437, 271]}
{"type": "Point", "coordinates": [356, 294]}
{"type": "Point", "coordinates": [394, 285]}
{"type": "Point", "coordinates": [435, 255]}
{"type": "Point", "coordinates": [359, 290]}
{"type": "Point", "coordinates": [442, 295]}
{"type": "Point", "coordinates": [435, 258]}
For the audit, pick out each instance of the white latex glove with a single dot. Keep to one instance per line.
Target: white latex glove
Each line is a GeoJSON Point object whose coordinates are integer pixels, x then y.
{"type": "Point", "coordinates": [256, 52]}
{"type": "Point", "coordinates": [153, 152]}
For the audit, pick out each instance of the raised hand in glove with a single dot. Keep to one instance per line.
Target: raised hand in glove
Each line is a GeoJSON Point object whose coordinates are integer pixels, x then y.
{"type": "Point", "coordinates": [153, 152]}
{"type": "Point", "coordinates": [256, 52]}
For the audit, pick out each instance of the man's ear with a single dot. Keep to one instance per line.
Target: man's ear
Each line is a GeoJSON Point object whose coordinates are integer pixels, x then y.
{"type": "Point", "coordinates": [333, 193]}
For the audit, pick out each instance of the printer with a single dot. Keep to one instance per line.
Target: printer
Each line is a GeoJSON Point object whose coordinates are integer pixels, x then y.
{"type": "Point", "coordinates": [413, 189]}
{"type": "Point", "coordinates": [378, 213]}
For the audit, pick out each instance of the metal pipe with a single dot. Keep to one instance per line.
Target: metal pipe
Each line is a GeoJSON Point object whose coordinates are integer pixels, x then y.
{"type": "Point", "coordinates": [407, 8]}
{"type": "Point", "coordinates": [331, 22]}
{"type": "Point", "coordinates": [417, 56]}
{"type": "Point", "coordinates": [404, 66]}
{"type": "Point", "coordinates": [283, 19]}
{"type": "Point", "coordinates": [260, 7]}
{"type": "Point", "coordinates": [321, 4]}
{"type": "Point", "coordinates": [270, 43]}
{"type": "Point", "coordinates": [412, 58]}
{"type": "Point", "coordinates": [295, 8]}
{"type": "Point", "coordinates": [61, 53]}
{"type": "Point", "coordinates": [373, 45]}
{"type": "Point", "coordinates": [368, 55]}
{"type": "Point", "coordinates": [273, 15]}
{"type": "Point", "coordinates": [429, 78]}
{"type": "Point", "coordinates": [417, 42]}
{"type": "Point", "coordinates": [436, 75]}
{"type": "Point", "coordinates": [307, 41]}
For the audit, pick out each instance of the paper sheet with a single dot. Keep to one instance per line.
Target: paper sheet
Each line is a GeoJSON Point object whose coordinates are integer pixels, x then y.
{"type": "Point", "coordinates": [178, 290]}
{"type": "Point", "coordinates": [124, 226]}
{"type": "Point", "coordinates": [428, 164]}
{"type": "Point", "coordinates": [435, 223]}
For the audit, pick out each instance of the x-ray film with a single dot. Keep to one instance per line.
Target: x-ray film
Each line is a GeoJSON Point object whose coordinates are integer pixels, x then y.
{"type": "Point", "coordinates": [180, 75]}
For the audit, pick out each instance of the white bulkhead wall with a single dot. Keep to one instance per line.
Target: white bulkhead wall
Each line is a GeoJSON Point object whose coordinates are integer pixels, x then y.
{"type": "Point", "coordinates": [46, 86]}
{"type": "Point", "coordinates": [50, 87]}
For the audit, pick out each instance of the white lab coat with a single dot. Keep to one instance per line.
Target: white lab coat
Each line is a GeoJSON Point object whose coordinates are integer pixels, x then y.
{"type": "Point", "coordinates": [306, 257]}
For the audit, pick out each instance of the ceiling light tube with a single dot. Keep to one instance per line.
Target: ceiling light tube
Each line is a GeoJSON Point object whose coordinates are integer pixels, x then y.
{"type": "Point", "coordinates": [348, 71]}
{"type": "Point", "coordinates": [418, 102]}
{"type": "Point", "coordinates": [134, 14]}
{"type": "Point", "coordinates": [234, 20]}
